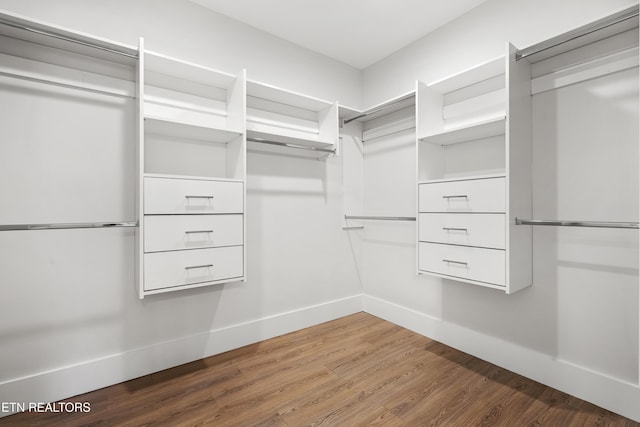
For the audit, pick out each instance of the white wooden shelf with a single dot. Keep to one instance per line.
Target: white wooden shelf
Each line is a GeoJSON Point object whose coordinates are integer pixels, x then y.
{"type": "Point", "coordinates": [391, 117]}
{"type": "Point", "coordinates": [39, 53]}
{"type": "Point", "coordinates": [287, 136]}
{"type": "Point", "coordinates": [469, 132]}
{"type": "Point", "coordinates": [279, 95]}
{"type": "Point", "coordinates": [186, 71]}
{"type": "Point", "coordinates": [471, 76]}
{"type": "Point", "coordinates": [463, 178]}
{"type": "Point", "coordinates": [63, 39]}
{"type": "Point", "coordinates": [194, 177]}
{"type": "Point", "coordinates": [401, 102]}
{"type": "Point", "coordinates": [287, 117]}
{"type": "Point", "coordinates": [57, 75]}
{"type": "Point", "coordinates": [178, 129]}
{"type": "Point", "coordinates": [185, 93]}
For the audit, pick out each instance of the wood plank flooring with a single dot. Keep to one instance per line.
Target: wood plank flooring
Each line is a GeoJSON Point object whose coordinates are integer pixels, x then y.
{"type": "Point", "coordinates": [355, 371]}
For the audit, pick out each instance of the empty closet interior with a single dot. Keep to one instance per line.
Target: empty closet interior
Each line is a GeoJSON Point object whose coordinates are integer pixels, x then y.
{"type": "Point", "coordinates": [158, 208]}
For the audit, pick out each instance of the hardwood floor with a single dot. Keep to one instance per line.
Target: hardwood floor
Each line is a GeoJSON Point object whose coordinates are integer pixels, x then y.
{"type": "Point", "coordinates": [355, 371]}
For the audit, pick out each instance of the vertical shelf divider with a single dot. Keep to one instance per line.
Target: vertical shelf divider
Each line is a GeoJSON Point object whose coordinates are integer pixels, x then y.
{"type": "Point", "coordinates": [139, 243]}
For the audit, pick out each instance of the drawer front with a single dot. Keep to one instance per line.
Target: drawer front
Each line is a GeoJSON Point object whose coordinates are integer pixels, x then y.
{"type": "Point", "coordinates": [483, 230]}
{"type": "Point", "coordinates": [175, 232]}
{"type": "Point", "coordinates": [482, 265]}
{"type": "Point", "coordinates": [475, 195]}
{"type": "Point", "coordinates": [196, 196]}
{"type": "Point", "coordinates": [181, 268]}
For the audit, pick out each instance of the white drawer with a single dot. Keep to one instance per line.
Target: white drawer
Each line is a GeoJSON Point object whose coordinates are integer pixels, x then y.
{"type": "Point", "coordinates": [484, 230]}
{"type": "Point", "coordinates": [474, 195]}
{"type": "Point", "coordinates": [181, 268]}
{"type": "Point", "coordinates": [182, 196]}
{"type": "Point", "coordinates": [479, 264]}
{"type": "Point", "coordinates": [175, 232]}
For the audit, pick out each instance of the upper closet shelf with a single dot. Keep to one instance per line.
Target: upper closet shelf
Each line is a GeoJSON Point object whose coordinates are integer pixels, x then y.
{"type": "Point", "coordinates": [604, 47]}
{"type": "Point", "coordinates": [39, 53]}
{"type": "Point", "coordinates": [470, 76]}
{"type": "Point", "coordinates": [392, 117]}
{"type": "Point", "coordinates": [269, 92]}
{"type": "Point", "coordinates": [196, 73]}
{"type": "Point", "coordinates": [406, 100]}
{"type": "Point", "coordinates": [34, 31]}
{"type": "Point", "coordinates": [176, 129]}
{"type": "Point", "coordinates": [467, 106]}
{"type": "Point", "coordinates": [186, 94]}
{"type": "Point", "coordinates": [282, 116]}
{"type": "Point", "coordinates": [624, 20]}
{"type": "Point", "coordinates": [470, 132]}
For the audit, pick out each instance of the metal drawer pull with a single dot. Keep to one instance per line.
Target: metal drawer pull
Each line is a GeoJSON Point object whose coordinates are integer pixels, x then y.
{"type": "Point", "coordinates": [449, 261]}
{"type": "Point", "coordinates": [454, 229]}
{"type": "Point", "coordinates": [199, 266]}
{"type": "Point", "coordinates": [198, 197]}
{"type": "Point", "coordinates": [198, 232]}
{"type": "Point", "coordinates": [456, 196]}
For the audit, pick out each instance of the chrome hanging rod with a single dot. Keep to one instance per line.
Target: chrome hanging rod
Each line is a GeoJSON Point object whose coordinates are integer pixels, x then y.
{"type": "Point", "coordinates": [286, 144]}
{"type": "Point", "coordinates": [560, 223]}
{"type": "Point", "coordinates": [65, 226]}
{"type": "Point", "coordinates": [378, 109]}
{"type": "Point", "coordinates": [381, 218]}
{"type": "Point", "coordinates": [68, 39]}
{"type": "Point", "coordinates": [65, 85]}
{"type": "Point", "coordinates": [579, 32]}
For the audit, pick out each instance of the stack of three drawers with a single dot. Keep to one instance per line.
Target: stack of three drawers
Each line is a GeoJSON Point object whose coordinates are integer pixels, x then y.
{"type": "Point", "coordinates": [193, 232]}
{"type": "Point", "coordinates": [461, 230]}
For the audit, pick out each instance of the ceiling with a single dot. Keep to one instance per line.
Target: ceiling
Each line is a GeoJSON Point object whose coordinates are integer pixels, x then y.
{"type": "Point", "coordinates": [356, 32]}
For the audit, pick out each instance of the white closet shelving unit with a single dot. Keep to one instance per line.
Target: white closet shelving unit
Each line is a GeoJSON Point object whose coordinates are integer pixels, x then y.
{"type": "Point", "coordinates": [279, 120]}
{"type": "Point", "coordinates": [192, 162]}
{"type": "Point", "coordinates": [474, 174]}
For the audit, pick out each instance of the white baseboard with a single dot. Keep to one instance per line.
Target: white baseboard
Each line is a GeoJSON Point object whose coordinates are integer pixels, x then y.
{"type": "Point", "coordinates": [62, 383]}
{"type": "Point", "coordinates": [65, 382]}
{"type": "Point", "coordinates": [610, 393]}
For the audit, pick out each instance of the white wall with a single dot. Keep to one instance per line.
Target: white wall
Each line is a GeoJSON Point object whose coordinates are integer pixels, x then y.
{"type": "Point", "coordinates": [70, 319]}
{"type": "Point", "coordinates": [580, 317]}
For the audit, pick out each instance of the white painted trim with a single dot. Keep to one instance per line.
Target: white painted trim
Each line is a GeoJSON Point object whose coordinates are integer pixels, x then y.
{"type": "Point", "coordinates": [64, 382]}
{"type": "Point", "coordinates": [610, 393]}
